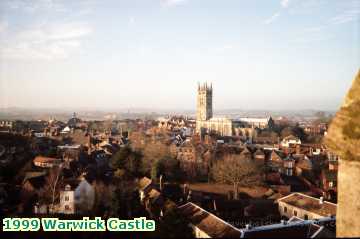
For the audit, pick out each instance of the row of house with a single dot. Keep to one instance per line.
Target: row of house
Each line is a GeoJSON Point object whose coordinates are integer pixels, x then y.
{"type": "Point", "coordinates": [303, 216]}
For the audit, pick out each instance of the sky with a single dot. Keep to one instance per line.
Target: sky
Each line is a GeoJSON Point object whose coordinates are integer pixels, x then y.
{"type": "Point", "coordinates": [115, 54]}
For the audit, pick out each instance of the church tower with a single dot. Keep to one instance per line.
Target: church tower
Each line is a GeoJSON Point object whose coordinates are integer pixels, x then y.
{"type": "Point", "coordinates": [204, 102]}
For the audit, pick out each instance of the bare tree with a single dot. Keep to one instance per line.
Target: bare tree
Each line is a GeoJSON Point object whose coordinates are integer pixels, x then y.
{"type": "Point", "coordinates": [237, 170]}
{"type": "Point", "coordinates": [48, 192]}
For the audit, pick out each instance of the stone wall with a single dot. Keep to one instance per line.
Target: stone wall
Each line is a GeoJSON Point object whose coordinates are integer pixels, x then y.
{"type": "Point", "coordinates": [344, 139]}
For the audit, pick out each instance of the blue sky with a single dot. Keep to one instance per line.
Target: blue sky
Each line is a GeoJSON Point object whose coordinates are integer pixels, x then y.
{"type": "Point", "coordinates": [259, 54]}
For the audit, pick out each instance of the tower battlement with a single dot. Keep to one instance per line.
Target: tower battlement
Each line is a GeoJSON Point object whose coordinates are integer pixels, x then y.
{"type": "Point", "coordinates": [205, 87]}
{"type": "Point", "coordinates": [204, 102]}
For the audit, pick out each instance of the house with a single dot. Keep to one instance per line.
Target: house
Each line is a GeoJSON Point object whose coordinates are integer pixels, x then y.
{"type": "Point", "coordinates": [329, 183]}
{"type": "Point", "coordinates": [289, 141]}
{"type": "Point", "coordinates": [275, 160]}
{"type": "Point", "coordinates": [67, 201]}
{"type": "Point", "coordinates": [69, 152]}
{"type": "Point", "coordinates": [150, 197]}
{"type": "Point", "coordinates": [6, 123]}
{"type": "Point", "coordinates": [261, 123]}
{"type": "Point", "coordinates": [333, 160]}
{"type": "Point", "coordinates": [193, 157]}
{"type": "Point", "coordinates": [46, 162]}
{"type": "Point", "coordinates": [305, 207]}
{"type": "Point", "coordinates": [206, 224]}
{"type": "Point", "coordinates": [66, 130]}
{"type": "Point", "coordinates": [145, 185]}
{"type": "Point", "coordinates": [81, 199]}
{"type": "Point", "coordinates": [259, 155]}
{"type": "Point", "coordinates": [154, 202]}
{"type": "Point", "coordinates": [288, 165]}
{"type": "Point", "coordinates": [303, 165]}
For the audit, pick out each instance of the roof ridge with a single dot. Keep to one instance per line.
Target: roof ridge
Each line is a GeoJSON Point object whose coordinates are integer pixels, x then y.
{"type": "Point", "coordinates": [237, 229]}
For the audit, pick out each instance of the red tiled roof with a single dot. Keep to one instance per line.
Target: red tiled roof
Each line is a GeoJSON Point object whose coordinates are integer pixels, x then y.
{"type": "Point", "coordinates": [41, 159]}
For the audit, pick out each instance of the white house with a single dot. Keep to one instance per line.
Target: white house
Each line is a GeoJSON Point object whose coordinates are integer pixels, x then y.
{"type": "Point", "coordinates": [290, 140]}
{"type": "Point", "coordinates": [66, 130]}
{"type": "Point", "coordinates": [67, 201]}
{"type": "Point", "coordinates": [305, 207]}
{"type": "Point", "coordinates": [80, 200]}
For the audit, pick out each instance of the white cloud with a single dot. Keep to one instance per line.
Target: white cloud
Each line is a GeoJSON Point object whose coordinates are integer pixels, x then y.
{"type": "Point", "coordinates": [170, 3]}
{"type": "Point", "coordinates": [285, 3]}
{"type": "Point", "coordinates": [272, 18]}
{"type": "Point", "coordinates": [36, 5]}
{"type": "Point", "coordinates": [347, 16]}
{"type": "Point", "coordinates": [47, 41]}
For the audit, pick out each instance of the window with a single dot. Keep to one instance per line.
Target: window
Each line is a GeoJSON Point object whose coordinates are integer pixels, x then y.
{"type": "Point", "coordinates": [67, 208]}
{"type": "Point", "coordinates": [306, 217]}
{"type": "Point", "coordinates": [285, 209]}
{"type": "Point", "coordinates": [331, 184]}
{"type": "Point", "coordinates": [66, 198]}
{"type": "Point", "coordinates": [295, 213]}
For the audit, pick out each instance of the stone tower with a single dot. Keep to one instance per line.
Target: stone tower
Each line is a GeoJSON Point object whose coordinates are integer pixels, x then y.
{"type": "Point", "coordinates": [204, 102]}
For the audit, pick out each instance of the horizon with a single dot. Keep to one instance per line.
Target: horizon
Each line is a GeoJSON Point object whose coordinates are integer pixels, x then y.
{"type": "Point", "coordinates": [284, 55]}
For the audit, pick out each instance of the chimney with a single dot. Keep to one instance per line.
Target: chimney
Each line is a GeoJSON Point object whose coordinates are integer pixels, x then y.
{"type": "Point", "coordinates": [185, 188]}
{"type": "Point", "coordinates": [161, 213]}
{"type": "Point", "coordinates": [189, 196]}
{"type": "Point", "coordinates": [321, 200]}
{"type": "Point", "coordinates": [247, 226]}
{"type": "Point", "coordinates": [161, 183]}
{"type": "Point", "coordinates": [214, 203]}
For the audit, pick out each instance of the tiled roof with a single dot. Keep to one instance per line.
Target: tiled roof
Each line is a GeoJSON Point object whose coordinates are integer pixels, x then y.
{"type": "Point", "coordinates": [41, 159]}
{"type": "Point", "coordinates": [208, 222]}
{"type": "Point", "coordinates": [144, 183]}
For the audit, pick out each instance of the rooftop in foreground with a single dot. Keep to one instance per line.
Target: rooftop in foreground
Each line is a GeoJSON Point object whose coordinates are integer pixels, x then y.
{"type": "Point", "coordinates": [310, 204]}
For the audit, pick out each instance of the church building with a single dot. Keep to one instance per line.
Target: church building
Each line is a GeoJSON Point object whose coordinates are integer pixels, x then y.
{"type": "Point", "coordinates": [206, 123]}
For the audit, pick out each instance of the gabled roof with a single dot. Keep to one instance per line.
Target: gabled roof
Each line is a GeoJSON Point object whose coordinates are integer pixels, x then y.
{"type": "Point", "coordinates": [259, 152]}
{"type": "Point", "coordinates": [208, 222]}
{"type": "Point", "coordinates": [144, 183]}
